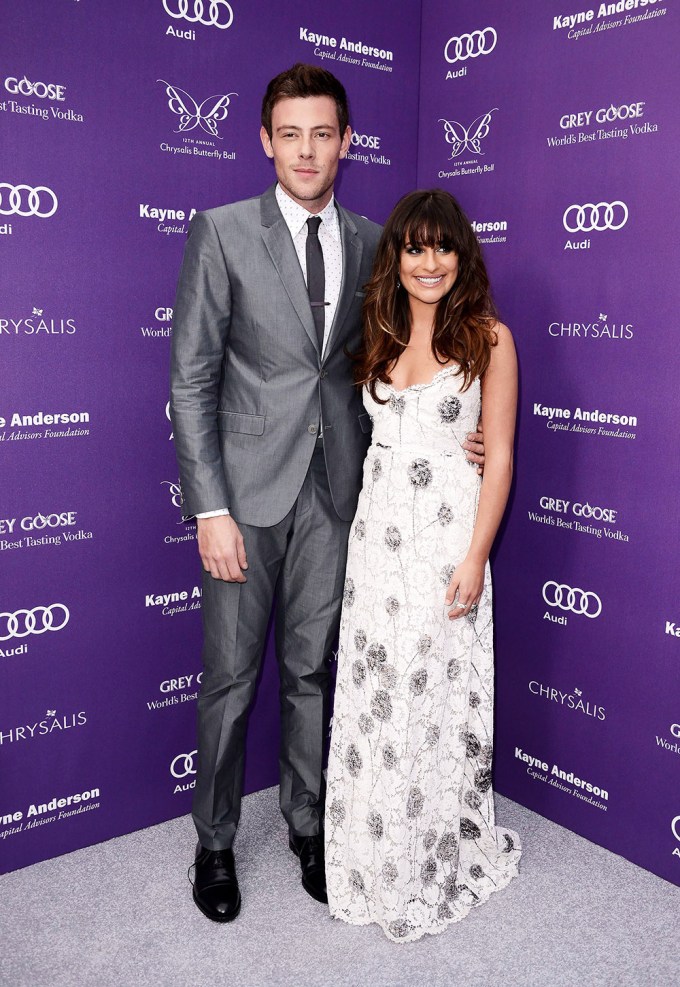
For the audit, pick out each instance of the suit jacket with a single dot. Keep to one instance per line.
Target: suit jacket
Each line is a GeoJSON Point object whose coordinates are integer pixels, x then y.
{"type": "Point", "coordinates": [248, 385]}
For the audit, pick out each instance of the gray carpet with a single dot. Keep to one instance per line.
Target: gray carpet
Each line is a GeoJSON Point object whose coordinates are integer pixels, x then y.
{"type": "Point", "coordinates": [121, 914]}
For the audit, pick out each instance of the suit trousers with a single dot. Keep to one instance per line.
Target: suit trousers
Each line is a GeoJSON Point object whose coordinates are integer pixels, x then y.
{"type": "Point", "coordinates": [301, 560]}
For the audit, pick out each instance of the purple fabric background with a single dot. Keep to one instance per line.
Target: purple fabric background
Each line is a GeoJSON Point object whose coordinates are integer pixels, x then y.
{"type": "Point", "coordinates": [612, 718]}
{"type": "Point", "coordinates": [93, 706]}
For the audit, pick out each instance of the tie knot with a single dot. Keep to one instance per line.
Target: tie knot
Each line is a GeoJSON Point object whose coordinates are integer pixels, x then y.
{"type": "Point", "coordinates": [313, 224]}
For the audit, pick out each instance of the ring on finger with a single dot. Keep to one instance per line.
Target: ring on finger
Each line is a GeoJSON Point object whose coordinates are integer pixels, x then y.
{"type": "Point", "coordinates": [462, 605]}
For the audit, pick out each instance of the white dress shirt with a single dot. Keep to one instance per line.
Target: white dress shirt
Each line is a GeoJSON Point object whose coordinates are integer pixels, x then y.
{"type": "Point", "coordinates": [295, 217]}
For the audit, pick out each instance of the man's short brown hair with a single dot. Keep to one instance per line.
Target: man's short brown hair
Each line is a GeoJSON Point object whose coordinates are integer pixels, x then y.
{"type": "Point", "coordinates": [302, 81]}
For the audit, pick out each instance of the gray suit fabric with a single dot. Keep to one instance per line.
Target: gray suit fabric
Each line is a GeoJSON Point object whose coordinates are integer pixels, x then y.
{"type": "Point", "coordinates": [248, 390]}
{"type": "Point", "coordinates": [248, 383]}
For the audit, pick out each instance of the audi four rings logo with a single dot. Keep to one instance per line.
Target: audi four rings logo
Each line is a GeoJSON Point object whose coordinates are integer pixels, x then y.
{"type": "Point", "coordinates": [183, 765]}
{"type": "Point", "coordinates": [21, 623]}
{"type": "Point", "coordinates": [595, 216]}
{"type": "Point", "coordinates": [212, 13]}
{"type": "Point", "coordinates": [574, 599]}
{"type": "Point", "coordinates": [470, 45]}
{"type": "Point", "coordinates": [23, 200]}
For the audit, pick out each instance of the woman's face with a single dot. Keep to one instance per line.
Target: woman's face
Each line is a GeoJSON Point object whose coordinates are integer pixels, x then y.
{"type": "Point", "coordinates": [427, 273]}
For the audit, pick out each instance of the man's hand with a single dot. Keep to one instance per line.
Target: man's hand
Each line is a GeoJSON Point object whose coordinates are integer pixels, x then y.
{"type": "Point", "coordinates": [474, 448]}
{"type": "Point", "coordinates": [220, 545]}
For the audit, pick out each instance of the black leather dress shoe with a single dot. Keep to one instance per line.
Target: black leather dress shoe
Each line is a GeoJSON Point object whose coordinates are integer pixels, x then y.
{"type": "Point", "coordinates": [216, 890]}
{"type": "Point", "coordinates": [310, 850]}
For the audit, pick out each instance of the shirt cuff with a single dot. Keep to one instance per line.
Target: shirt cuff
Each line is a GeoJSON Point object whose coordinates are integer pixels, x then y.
{"type": "Point", "coordinates": [221, 513]}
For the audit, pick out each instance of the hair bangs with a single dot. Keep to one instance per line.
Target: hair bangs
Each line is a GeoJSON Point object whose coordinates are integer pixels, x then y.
{"type": "Point", "coordinates": [431, 223]}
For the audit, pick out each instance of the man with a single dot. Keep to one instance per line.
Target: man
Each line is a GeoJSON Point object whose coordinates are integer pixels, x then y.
{"type": "Point", "coordinates": [270, 435]}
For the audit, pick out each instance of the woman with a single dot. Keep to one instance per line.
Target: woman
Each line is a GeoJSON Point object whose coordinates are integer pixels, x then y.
{"type": "Point", "coordinates": [410, 836]}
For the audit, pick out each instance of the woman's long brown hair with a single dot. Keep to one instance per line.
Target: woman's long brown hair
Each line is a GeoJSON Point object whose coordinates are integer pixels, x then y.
{"type": "Point", "coordinates": [464, 321]}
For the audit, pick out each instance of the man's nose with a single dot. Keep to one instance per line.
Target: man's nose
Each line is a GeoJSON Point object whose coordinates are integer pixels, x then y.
{"type": "Point", "coordinates": [306, 148]}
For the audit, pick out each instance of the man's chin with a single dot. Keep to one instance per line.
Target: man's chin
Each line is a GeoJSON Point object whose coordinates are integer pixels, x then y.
{"type": "Point", "coordinates": [304, 192]}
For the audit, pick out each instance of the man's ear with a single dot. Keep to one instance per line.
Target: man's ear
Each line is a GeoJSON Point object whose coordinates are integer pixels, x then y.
{"type": "Point", "coordinates": [266, 143]}
{"type": "Point", "coordinates": [346, 142]}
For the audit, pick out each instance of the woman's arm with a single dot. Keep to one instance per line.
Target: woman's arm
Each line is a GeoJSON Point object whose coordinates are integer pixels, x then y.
{"type": "Point", "coordinates": [499, 406]}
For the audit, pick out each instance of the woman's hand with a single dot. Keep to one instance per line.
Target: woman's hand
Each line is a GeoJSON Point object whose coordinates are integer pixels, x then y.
{"type": "Point", "coordinates": [465, 588]}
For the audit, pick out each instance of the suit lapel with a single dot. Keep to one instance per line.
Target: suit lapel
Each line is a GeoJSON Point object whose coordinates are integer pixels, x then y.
{"type": "Point", "coordinates": [352, 249]}
{"type": "Point", "coordinates": [282, 252]}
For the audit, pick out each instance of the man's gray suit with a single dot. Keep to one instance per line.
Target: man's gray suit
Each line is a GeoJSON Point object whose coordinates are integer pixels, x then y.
{"type": "Point", "coordinates": [249, 391]}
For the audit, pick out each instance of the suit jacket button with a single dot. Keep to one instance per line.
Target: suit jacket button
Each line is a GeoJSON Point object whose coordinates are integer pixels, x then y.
{"type": "Point", "coordinates": [324, 373]}
{"type": "Point", "coordinates": [312, 429]}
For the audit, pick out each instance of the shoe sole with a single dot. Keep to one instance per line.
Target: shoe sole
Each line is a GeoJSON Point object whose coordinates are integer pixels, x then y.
{"type": "Point", "coordinates": [321, 898]}
{"type": "Point", "coordinates": [215, 918]}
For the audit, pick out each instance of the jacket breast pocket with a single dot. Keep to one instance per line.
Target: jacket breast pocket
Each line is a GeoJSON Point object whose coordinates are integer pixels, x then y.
{"type": "Point", "coordinates": [365, 422]}
{"type": "Point", "coordinates": [231, 421]}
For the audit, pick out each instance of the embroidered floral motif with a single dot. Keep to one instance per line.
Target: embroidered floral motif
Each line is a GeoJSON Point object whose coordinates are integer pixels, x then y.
{"type": "Point", "coordinates": [397, 404]}
{"type": "Point", "coordinates": [420, 473]}
{"type": "Point", "coordinates": [411, 840]}
{"type": "Point", "coordinates": [348, 595]}
{"type": "Point", "coordinates": [358, 672]}
{"type": "Point", "coordinates": [393, 538]}
{"type": "Point", "coordinates": [449, 409]}
{"type": "Point", "coordinates": [445, 514]}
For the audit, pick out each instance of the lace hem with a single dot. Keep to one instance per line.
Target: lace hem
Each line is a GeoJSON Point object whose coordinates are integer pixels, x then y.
{"type": "Point", "coordinates": [502, 881]}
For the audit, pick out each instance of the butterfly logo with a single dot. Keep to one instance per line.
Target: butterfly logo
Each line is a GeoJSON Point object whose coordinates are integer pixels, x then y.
{"type": "Point", "coordinates": [175, 493]}
{"type": "Point", "coordinates": [467, 138]}
{"type": "Point", "coordinates": [205, 115]}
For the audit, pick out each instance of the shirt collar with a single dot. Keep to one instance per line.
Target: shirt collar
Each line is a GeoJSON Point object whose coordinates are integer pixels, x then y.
{"type": "Point", "coordinates": [296, 215]}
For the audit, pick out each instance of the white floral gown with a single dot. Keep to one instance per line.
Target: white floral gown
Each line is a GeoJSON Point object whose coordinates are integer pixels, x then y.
{"type": "Point", "coordinates": [411, 841]}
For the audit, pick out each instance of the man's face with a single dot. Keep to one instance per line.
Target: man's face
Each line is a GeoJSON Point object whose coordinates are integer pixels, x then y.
{"type": "Point", "coordinates": [306, 145]}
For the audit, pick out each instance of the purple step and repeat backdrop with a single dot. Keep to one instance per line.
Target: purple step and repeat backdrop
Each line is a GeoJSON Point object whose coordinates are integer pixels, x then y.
{"type": "Point", "coordinates": [556, 126]}
{"type": "Point", "coordinates": [556, 130]}
{"type": "Point", "coordinates": [118, 120]}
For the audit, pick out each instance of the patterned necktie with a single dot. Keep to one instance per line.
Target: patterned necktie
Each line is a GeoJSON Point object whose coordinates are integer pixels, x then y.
{"type": "Point", "coordinates": [316, 277]}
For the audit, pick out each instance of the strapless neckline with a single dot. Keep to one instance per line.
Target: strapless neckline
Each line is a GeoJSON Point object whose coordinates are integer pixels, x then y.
{"type": "Point", "coordinates": [429, 383]}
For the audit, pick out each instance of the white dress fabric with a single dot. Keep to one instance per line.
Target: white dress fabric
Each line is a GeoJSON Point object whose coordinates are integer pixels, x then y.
{"type": "Point", "coordinates": [411, 841]}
